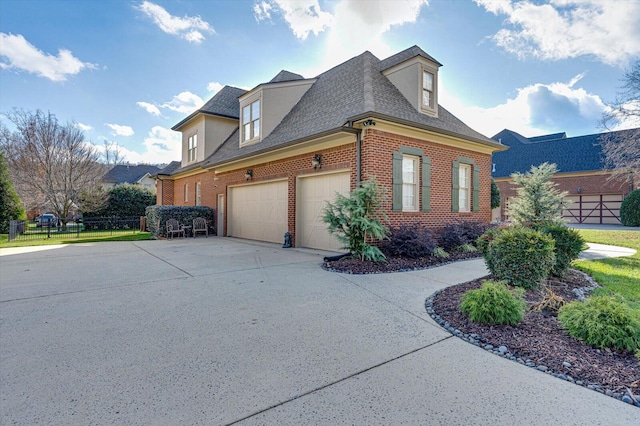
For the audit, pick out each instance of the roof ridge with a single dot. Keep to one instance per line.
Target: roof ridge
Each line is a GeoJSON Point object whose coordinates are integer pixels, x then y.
{"type": "Point", "coordinates": [369, 100]}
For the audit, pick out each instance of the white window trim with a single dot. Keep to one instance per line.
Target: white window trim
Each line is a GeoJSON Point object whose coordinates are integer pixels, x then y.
{"type": "Point", "coordinates": [466, 208]}
{"type": "Point", "coordinates": [198, 193]}
{"type": "Point", "coordinates": [192, 152]}
{"type": "Point", "coordinates": [415, 183]}
{"type": "Point", "coordinates": [186, 192]}
{"type": "Point", "coordinates": [428, 109]}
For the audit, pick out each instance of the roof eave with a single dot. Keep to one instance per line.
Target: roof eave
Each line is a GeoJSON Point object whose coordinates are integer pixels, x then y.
{"type": "Point", "coordinates": [190, 117]}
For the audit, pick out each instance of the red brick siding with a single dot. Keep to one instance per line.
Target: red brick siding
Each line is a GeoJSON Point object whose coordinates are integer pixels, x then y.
{"type": "Point", "coordinates": [164, 192]}
{"type": "Point", "coordinates": [377, 152]}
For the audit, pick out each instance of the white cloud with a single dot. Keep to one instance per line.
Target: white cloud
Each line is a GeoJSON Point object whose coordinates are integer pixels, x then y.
{"type": "Point", "coordinates": [184, 102]}
{"type": "Point", "coordinates": [150, 108]}
{"type": "Point", "coordinates": [561, 29]}
{"type": "Point", "coordinates": [119, 130]}
{"type": "Point", "coordinates": [190, 28]}
{"type": "Point", "coordinates": [214, 87]}
{"type": "Point", "coordinates": [353, 27]}
{"type": "Point", "coordinates": [303, 16]}
{"type": "Point", "coordinates": [19, 54]}
{"type": "Point", "coordinates": [536, 109]}
{"type": "Point", "coordinates": [84, 127]}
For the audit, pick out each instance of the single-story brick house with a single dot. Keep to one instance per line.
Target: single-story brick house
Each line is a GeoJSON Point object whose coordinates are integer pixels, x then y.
{"type": "Point", "coordinates": [594, 198]}
{"type": "Point", "coordinates": [268, 159]}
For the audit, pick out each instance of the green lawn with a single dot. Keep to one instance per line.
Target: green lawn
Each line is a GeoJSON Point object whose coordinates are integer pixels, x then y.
{"type": "Point", "coordinates": [125, 236]}
{"type": "Point", "coordinates": [619, 276]}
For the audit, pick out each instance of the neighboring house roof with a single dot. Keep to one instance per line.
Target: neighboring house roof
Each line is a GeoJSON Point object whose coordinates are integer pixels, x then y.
{"type": "Point", "coordinates": [124, 173]}
{"type": "Point", "coordinates": [169, 168]}
{"type": "Point", "coordinates": [575, 154]}
{"type": "Point", "coordinates": [224, 104]}
{"type": "Point", "coordinates": [352, 90]}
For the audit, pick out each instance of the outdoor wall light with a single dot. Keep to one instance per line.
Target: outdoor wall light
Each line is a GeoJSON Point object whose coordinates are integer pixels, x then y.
{"type": "Point", "coordinates": [316, 161]}
{"type": "Point", "coordinates": [368, 122]}
{"type": "Point", "coordinates": [579, 190]}
{"type": "Point", "coordinates": [248, 175]}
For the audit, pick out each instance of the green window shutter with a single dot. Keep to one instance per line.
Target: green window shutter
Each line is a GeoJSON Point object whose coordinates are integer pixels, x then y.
{"type": "Point", "coordinates": [426, 184]}
{"type": "Point", "coordinates": [476, 189]}
{"type": "Point", "coordinates": [455, 187]}
{"type": "Point", "coordinates": [397, 181]}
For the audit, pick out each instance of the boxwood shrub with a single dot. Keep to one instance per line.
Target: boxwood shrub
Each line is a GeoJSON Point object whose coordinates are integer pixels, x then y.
{"type": "Point", "coordinates": [603, 321]}
{"type": "Point", "coordinates": [568, 244]}
{"type": "Point", "coordinates": [521, 256]}
{"type": "Point", "coordinates": [630, 209]}
{"type": "Point", "coordinates": [157, 216]}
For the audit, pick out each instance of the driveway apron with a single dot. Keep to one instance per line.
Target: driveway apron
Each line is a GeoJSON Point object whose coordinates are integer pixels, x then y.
{"type": "Point", "coordinates": [225, 331]}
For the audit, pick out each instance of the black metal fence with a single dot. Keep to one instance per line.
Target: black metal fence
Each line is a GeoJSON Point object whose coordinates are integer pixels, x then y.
{"type": "Point", "coordinates": [20, 230]}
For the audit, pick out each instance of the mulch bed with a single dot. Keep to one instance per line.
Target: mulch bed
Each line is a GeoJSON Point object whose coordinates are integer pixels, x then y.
{"type": "Point", "coordinates": [537, 341]}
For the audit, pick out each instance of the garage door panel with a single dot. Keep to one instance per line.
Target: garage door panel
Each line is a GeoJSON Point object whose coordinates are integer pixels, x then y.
{"type": "Point", "coordinates": [593, 209]}
{"type": "Point", "coordinates": [313, 194]}
{"type": "Point", "coordinates": [259, 212]}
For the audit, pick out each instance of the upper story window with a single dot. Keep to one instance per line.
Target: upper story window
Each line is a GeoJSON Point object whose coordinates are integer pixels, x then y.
{"type": "Point", "coordinates": [428, 99]}
{"type": "Point", "coordinates": [192, 147]}
{"type": "Point", "coordinates": [410, 197]}
{"type": "Point", "coordinates": [251, 121]}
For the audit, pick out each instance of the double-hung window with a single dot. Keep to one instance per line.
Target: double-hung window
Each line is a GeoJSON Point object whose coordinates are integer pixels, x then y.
{"type": "Point", "coordinates": [192, 147]}
{"type": "Point", "coordinates": [186, 192]}
{"type": "Point", "coordinates": [428, 80]}
{"type": "Point", "coordinates": [410, 197]}
{"type": "Point", "coordinates": [198, 200]}
{"type": "Point", "coordinates": [464, 191]}
{"type": "Point", "coordinates": [251, 121]}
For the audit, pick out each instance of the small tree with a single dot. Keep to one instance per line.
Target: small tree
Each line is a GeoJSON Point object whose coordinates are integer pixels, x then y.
{"type": "Point", "coordinates": [126, 200]}
{"type": "Point", "coordinates": [356, 220]}
{"type": "Point", "coordinates": [10, 206]}
{"type": "Point", "coordinates": [538, 198]}
{"type": "Point", "coordinates": [495, 195]}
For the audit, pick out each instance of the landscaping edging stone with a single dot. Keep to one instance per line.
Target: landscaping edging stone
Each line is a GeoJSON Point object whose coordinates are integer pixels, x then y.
{"type": "Point", "coordinates": [504, 352]}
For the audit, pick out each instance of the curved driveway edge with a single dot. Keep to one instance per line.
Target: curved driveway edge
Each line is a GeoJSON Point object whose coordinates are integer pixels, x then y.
{"type": "Point", "coordinates": [222, 331]}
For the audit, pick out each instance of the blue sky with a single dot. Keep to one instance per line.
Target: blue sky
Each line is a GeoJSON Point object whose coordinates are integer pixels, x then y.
{"type": "Point", "coordinates": [127, 71]}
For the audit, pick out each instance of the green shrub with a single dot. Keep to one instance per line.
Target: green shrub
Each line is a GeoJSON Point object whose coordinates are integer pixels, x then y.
{"type": "Point", "coordinates": [157, 216]}
{"type": "Point", "coordinates": [602, 321]}
{"type": "Point", "coordinates": [357, 220]}
{"type": "Point", "coordinates": [495, 195]}
{"type": "Point", "coordinates": [494, 303]}
{"type": "Point", "coordinates": [482, 243]}
{"type": "Point", "coordinates": [521, 256]}
{"type": "Point", "coordinates": [440, 252]}
{"type": "Point", "coordinates": [630, 209]}
{"type": "Point", "coordinates": [568, 242]}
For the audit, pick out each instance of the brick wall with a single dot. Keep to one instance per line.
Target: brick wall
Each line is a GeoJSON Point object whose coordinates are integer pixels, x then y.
{"type": "Point", "coordinates": [377, 149]}
{"type": "Point", "coordinates": [377, 152]}
{"type": "Point", "coordinates": [164, 192]}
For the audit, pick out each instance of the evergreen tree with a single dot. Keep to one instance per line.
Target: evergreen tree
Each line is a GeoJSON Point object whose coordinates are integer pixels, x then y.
{"type": "Point", "coordinates": [538, 198]}
{"type": "Point", "coordinates": [495, 195]}
{"type": "Point", "coordinates": [10, 206]}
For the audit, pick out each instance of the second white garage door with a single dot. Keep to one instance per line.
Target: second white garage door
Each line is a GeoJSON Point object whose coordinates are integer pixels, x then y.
{"type": "Point", "coordinates": [313, 193]}
{"type": "Point", "coordinates": [258, 212]}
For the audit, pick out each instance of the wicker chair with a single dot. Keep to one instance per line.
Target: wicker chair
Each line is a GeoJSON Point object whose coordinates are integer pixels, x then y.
{"type": "Point", "coordinates": [173, 228]}
{"type": "Point", "coordinates": [200, 225]}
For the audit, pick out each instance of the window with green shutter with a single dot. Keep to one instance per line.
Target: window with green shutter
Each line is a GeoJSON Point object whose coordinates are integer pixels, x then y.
{"type": "Point", "coordinates": [465, 185]}
{"type": "Point", "coordinates": [406, 162]}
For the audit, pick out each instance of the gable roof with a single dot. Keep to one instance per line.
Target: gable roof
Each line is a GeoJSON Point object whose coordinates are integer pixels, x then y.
{"type": "Point", "coordinates": [223, 104]}
{"type": "Point", "coordinates": [125, 173]}
{"type": "Point", "coordinates": [575, 154]}
{"type": "Point", "coordinates": [405, 55]}
{"type": "Point", "coordinates": [286, 76]}
{"type": "Point", "coordinates": [350, 91]}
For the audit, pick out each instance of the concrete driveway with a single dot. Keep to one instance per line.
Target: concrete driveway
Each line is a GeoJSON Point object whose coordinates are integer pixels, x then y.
{"type": "Point", "coordinates": [222, 331]}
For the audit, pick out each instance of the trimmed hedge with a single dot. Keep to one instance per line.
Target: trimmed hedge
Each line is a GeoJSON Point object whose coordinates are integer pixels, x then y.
{"type": "Point", "coordinates": [521, 256]}
{"type": "Point", "coordinates": [157, 216]}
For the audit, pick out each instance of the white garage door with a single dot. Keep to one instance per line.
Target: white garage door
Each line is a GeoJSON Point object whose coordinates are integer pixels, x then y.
{"type": "Point", "coordinates": [313, 193]}
{"type": "Point", "coordinates": [258, 212]}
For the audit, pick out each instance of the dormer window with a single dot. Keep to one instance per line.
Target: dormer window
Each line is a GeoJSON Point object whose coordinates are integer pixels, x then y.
{"type": "Point", "coordinates": [251, 121]}
{"type": "Point", "coordinates": [192, 147]}
{"type": "Point", "coordinates": [427, 90]}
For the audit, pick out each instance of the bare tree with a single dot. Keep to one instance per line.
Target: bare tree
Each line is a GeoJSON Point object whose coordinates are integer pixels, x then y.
{"type": "Point", "coordinates": [622, 149]}
{"type": "Point", "coordinates": [112, 154]}
{"type": "Point", "coordinates": [51, 163]}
